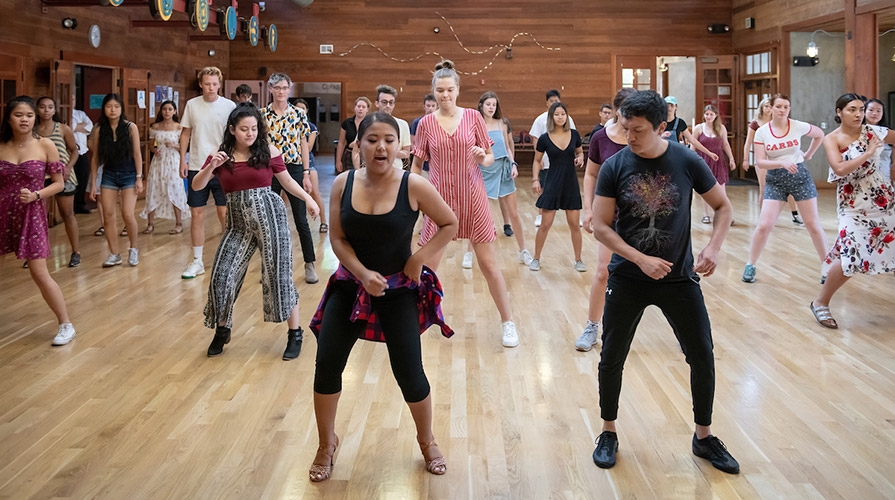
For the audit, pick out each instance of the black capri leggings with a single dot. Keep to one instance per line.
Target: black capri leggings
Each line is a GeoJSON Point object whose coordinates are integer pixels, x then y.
{"type": "Point", "coordinates": [399, 317]}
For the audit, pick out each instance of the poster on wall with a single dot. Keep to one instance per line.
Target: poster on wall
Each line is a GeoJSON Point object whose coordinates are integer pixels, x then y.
{"type": "Point", "coordinates": [177, 99]}
{"type": "Point", "coordinates": [152, 105]}
{"type": "Point", "coordinates": [141, 99]}
{"type": "Point", "coordinates": [170, 93]}
{"type": "Point", "coordinates": [96, 101]}
{"type": "Point", "coordinates": [159, 93]}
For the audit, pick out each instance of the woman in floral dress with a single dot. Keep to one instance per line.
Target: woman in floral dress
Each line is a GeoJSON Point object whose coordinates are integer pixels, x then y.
{"type": "Point", "coordinates": [866, 239]}
{"type": "Point", "coordinates": [165, 194]}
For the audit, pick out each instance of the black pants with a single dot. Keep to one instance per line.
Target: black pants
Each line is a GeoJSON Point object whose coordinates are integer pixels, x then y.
{"type": "Point", "coordinates": [82, 172]}
{"type": "Point", "coordinates": [299, 212]}
{"type": "Point", "coordinates": [683, 305]}
{"type": "Point", "coordinates": [399, 317]}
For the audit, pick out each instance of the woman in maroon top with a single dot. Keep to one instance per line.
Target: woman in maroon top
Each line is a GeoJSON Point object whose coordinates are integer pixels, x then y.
{"type": "Point", "coordinates": [256, 219]}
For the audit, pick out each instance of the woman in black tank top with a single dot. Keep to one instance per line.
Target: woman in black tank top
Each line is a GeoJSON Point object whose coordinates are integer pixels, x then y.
{"type": "Point", "coordinates": [372, 214]}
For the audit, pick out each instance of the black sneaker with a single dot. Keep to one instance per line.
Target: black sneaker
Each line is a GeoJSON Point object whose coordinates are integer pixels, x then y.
{"type": "Point", "coordinates": [712, 449]}
{"type": "Point", "coordinates": [293, 344]}
{"type": "Point", "coordinates": [221, 337]}
{"type": "Point", "coordinates": [607, 447]}
{"type": "Point", "coordinates": [75, 259]}
{"type": "Point", "coordinates": [507, 229]}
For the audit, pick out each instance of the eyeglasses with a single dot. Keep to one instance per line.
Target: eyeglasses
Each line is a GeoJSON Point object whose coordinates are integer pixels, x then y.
{"type": "Point", "coordinates": [280, 88]}
{"type": "Point", "coordinates": [386, 103]}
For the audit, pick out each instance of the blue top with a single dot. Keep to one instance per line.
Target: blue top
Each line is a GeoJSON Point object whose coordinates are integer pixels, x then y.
{"type": "Point", "coordinates": [500, 147]}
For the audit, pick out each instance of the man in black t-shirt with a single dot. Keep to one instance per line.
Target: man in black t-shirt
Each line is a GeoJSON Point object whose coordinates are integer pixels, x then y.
{"type": "Point", "coordinates": [651, 184]}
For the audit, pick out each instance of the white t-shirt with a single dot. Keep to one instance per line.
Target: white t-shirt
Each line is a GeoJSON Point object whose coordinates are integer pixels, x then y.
{"type": "Point", "coordinates": [206, 121]}
{"type": "Point", "coordinates": [539, 128]}
{"type": "Point", "coordinates": [78, 117]}
{"type": "Point", "coordinates": [404, 129]}
{"type": "Point", "coordinates": [785, 147]}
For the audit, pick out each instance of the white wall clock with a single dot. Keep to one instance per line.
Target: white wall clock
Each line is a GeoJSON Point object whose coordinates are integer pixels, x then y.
{"type": "Point", "coordinates": [95, 35]}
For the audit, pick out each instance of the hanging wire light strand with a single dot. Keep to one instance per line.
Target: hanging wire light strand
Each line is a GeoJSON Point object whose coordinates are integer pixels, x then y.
{"type": "Point", "coordinates": [500, 49]}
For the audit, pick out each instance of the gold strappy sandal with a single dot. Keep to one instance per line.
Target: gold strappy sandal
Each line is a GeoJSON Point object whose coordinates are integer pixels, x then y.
{"type": "Point", "coordinates": [437, 465]}
{"type": "Point", "coordinates": [317, 472]}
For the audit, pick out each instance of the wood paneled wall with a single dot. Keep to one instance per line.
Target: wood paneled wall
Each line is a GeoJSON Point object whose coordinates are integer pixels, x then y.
{"type": "Point", "coordinates": [588, 34]}
{"type": "Point", "coordinates": [166, 52]}
{"type": "Point", "coordinates": [771, 16]}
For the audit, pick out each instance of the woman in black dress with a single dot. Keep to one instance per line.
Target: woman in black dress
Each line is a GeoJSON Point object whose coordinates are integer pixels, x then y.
{"type": "Point", "coordinates": [562, 144]}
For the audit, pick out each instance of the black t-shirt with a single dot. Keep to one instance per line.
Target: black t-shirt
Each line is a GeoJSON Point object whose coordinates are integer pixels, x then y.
{"type": "Point", "coordinates": [350, 130]}
{"type": "Point", "coordinates": [653, 197]}
{"type": "Point", "coordinates": [676, 127]}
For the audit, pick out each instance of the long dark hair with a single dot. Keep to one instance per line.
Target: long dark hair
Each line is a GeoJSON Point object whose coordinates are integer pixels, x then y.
{"type": "Point", "coordinates": [5, 127]}
{"type": "Point", "coordinates": [55, 109]}
{"type": "Point", "coordinates": [551, 122]}
{"type": "Point", "coordinates": [114, 147]}
{"type": "Point", "coordinates": [259, 151]}
{"type": "Point", "coordinates": [158, 116]}
{"type": "Point", "coordinates": [377, 117]}
{"type": "Point", "coordinates": [882, 119]}
{"type": "Point", "coordinates": [843, 101]}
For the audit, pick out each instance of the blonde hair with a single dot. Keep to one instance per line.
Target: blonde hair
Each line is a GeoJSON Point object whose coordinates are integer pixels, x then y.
{"type": "Point", "coordinates": [210, 71]}
{"type": "Point", "coordinates": [760, 117]}
{"type": "Point", "coordinates": [716, 125]}
{"type": "Point", "coordinates": [445, 69]}
{"type": "Point", "coordinates": [362, 98]}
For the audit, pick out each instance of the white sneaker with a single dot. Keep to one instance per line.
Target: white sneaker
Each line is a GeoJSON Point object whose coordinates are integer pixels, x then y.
{"type": "Point", "coordinates": [580, 222]}
{"type": "Point", "coordinates": [525, 257]}
{"type": "Point", "coordinates": [510, 337]}
{"type": "Point", "coordinates": [579, 266]}
{"type": "Point", "coordinates": [65, 335]}
{"type": "Point", "coordinates": [195, 268]}
{"type": "Point", "coordinates": [538, 221]}
{"type": "Point", "coordinates": [133, 257]}
{"type": "Point", "coordinates": [467, 261]}
{"type": "Point", "coordinates": [535, 265]}
{"type": "Point", "coordinates": [589, 337]}
{"type": "Point", "coordinates": [113, 260]}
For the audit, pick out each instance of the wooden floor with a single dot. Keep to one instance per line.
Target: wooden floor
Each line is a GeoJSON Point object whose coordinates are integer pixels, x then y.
{"type": "Point", "coordinates": [133, 408]}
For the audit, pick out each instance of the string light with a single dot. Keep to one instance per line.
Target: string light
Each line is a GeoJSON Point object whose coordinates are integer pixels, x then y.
{"type": "Point", "coordinates": [500, 49]}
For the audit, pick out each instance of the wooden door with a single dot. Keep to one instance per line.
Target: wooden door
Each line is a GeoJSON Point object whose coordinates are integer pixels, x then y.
{"type": "Point", "coordinates": [63, 83]}
{"type": "Point", "coordinates": [11, 77]}
{"type": "Point", "coordinates": [716, 78]}
{"type": "Point", "coordinates": [135, 92]}
{"type": "Point", "coordinates": [637, 72]}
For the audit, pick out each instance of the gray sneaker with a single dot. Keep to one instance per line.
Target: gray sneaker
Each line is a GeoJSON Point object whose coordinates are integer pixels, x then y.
{"type": "Point", "coordinates": [133, 257]}
{"type": "Point", "coordinates": [535, 265]}
{"type": "Point", "coordinates": [589, 337]}
{"type": "Point", "coordinates": [749, 274]}
{"type": "Point", "coordinates": [113, 260]}
{"type": "Point", "coordinates": [579, 266]}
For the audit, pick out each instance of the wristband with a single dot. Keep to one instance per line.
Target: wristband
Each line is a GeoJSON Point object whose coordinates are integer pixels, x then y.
{"type": "Point", "coordinates": [515, 164]}
{"type": "Point", "coordinates": [37, 193]}
{"type": "Point", "coordinates": [139, 177]}
{"type": "Point", "coordinates": [307, 171]}
{"type": "Point", "coordinates": [536, 180]}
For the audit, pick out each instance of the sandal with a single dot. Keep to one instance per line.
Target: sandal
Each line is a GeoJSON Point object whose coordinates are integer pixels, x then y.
{"type": "Point", "coordinates": [99, 232]}
{"type": "Point", "coordinates": [324, 228]}
{"type": "Point", "coordinates": [149, 229]}
{"type": "Point", "coordinates": [823, 316]}
{"type": "Point", "coordinates": [123, 232]}
{"type": "Point", "coordinates": [177, 229]}
{"type": "Point", "coordinates": [706, 220]}
{"type": "Point", "coordinates": [317, 472]}
{"type": "Point", "coordinates": [437, 465]}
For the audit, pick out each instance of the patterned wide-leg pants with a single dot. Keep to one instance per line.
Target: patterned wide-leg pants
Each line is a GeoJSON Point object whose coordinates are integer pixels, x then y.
{"type": "Point", "coordinates": [256, 219]}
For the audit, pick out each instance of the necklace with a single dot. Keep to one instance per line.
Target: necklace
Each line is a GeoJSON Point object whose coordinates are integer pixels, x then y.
{"type": "Point", "coordinates": [22, 145]}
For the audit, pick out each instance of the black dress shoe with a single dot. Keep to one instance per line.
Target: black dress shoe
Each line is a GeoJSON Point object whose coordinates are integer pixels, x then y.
{"type": "Point", "coordinates": [293, 344]}
{"type": "Point", "coordinates": [221, 337]}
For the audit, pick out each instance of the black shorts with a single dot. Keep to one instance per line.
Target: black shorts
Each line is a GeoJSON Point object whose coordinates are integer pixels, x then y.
{"type": "Point", "coordinates": [197, 199]}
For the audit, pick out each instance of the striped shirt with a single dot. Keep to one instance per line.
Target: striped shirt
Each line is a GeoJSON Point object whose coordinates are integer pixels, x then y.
{"type": "Point", "coordinates": [455, 173]}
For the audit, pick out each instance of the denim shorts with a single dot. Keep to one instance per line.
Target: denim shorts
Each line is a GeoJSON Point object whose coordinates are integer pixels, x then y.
{"type": "Point", "coordinates": [779, 184]}
{"type": "Point", "coordinates": [312, 163]}
{"type": "Point", "coordinates": [119, 180]}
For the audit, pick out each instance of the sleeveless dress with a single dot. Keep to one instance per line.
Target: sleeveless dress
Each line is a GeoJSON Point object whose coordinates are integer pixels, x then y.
{"type": "Point", "coordinates": [23, 226]}
{"type": "Point", "coordinates": [719, 167]}
{"type": "Point", "coordinates": [59, 141]}
{"type": "Point", "coordinates": [499, 176]}
{"type": "Point", "coordinates": [164, 186]}
{"type": "Point", "coordinates": [561, 191]}
{"type": "Point", "coordinates": [455, 174]}
{"type": "Point", "coordinates": [866, 240]}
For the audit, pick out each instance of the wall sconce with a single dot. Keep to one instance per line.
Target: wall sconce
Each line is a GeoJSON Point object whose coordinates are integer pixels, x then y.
{"type": "Point", "coordinates": [663, 66]}
{"type": "Point", "coordinates": [718, 29]}
{"type": "Point", "coordinates": [69, 23]}
{"type": "Point", "coordinates": [436, 29]}
{"type": "Point", "coordinates": [509, 53]}
{"type": "Point", "coordinates": [211, 53]}
{"type": "Point", "coordinates": [812, 47]}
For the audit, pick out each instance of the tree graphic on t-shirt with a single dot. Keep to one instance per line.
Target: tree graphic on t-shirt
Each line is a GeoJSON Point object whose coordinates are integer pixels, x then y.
{"type": "Point", "coordinates": [651, 195]}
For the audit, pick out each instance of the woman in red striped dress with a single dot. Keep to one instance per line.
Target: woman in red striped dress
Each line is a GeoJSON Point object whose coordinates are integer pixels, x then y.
{"type": "Point", "coordinates": [455, 142]}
